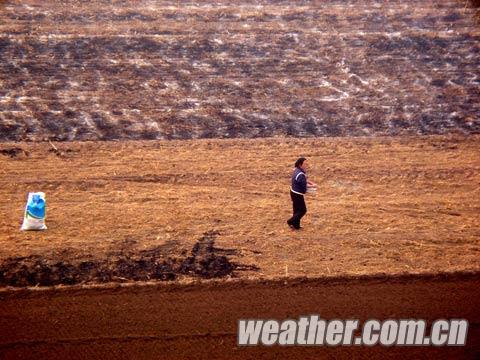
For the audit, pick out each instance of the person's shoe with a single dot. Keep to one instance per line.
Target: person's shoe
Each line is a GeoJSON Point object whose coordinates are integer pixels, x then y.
{"type": "Point", "coordinates": [289, 223]}
{"type": "Point", "coordinates": [292, 226]}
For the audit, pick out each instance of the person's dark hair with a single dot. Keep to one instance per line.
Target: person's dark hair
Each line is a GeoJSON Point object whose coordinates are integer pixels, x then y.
{"type": "Point", "coordinates": [299, 162]}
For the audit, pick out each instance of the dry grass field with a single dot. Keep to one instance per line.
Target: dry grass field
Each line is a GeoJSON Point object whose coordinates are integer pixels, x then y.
{"type": "Point", "coordinates": [384, 205]}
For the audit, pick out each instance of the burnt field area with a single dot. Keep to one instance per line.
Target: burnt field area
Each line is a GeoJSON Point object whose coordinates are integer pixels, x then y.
{"type": "Point", "coordinates": [164, 262]}
{"type": "Point", "coordinates": [102, 70]}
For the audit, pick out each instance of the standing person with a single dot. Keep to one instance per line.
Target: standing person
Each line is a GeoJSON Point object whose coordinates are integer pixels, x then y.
{"type": "Point", "coordinates": [297, 192]}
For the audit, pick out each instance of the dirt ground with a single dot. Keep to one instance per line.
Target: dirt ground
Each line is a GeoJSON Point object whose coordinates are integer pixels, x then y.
{"type": "Point", "coordinates": [140, 210]}
{"type": "Point", "coordinates": [200, 322]}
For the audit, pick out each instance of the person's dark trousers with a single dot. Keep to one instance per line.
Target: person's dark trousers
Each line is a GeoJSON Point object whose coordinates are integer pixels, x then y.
{"type": "Point", "coordinates": [299, 209]}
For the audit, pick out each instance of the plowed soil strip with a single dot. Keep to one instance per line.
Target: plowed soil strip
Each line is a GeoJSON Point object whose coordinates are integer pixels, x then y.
{"type": "Point", "coordinates": [200, 321]}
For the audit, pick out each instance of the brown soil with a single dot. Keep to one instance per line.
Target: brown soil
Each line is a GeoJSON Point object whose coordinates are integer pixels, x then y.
{"type": "Point", "coordinates": [200, 321]}
{"type": "Point", "coordinates": [169, 209]}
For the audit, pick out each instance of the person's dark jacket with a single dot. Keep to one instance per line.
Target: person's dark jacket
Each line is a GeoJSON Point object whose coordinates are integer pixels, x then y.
{"type": "Point", "coordinates": [299, 181]}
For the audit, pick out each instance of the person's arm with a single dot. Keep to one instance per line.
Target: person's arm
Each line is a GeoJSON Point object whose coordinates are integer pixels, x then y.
{"type": "Point", "coordinates": [311, 183]}
{"type": "Point", "coordinates": [302, 182]}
